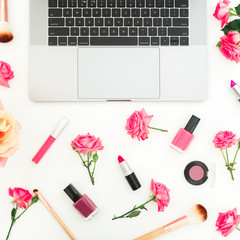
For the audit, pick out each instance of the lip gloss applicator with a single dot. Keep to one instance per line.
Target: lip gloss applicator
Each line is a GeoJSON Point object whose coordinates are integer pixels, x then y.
{"type": "Point", "coordinates": [50, 140]}
{"type": "Point", "coordinates": [236, 89]}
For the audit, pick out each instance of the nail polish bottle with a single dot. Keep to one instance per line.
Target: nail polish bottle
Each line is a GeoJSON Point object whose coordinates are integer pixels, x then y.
{"type": "Point", "coordinates": [185, 135]}
{"type": "Point", "coordinates": [81, 202]}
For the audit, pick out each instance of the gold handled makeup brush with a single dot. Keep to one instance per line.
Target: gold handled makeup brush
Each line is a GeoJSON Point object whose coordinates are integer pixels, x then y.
{"type": "Point", "coordinates": [196, 214]}
{"type": "Point", "coordinates": [5, 32]}
{"type": "Point", "coordinates": [59, 220]}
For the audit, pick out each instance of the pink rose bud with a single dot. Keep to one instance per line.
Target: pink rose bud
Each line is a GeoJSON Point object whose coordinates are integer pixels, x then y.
{"type": "Point", "coordinates": [6, 74]}
{"type": "Point", "coordinates": [222, 12]}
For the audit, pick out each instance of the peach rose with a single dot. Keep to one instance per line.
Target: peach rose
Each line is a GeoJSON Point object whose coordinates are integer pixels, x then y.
{"type": "Point", "coordinates": [6, 74]}
{"type": "Point", "coordinates": [9, 135]}
{"type": "Point", "coordinates": [222, 12]}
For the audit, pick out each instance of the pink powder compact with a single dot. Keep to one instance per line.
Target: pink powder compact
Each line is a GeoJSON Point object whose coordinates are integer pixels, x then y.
{"type": "Point", "coordinates": [196, 173]}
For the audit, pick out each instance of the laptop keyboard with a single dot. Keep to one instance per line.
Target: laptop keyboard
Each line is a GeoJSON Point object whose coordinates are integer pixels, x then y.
{"type": "Point", "coordinates": [118, 22]}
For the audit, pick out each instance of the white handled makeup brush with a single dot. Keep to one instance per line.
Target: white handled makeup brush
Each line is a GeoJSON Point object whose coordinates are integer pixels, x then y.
{"type": "Point", "coordinates": [196, 214]}
{"type": "Point", "coordinates": [5, 32]}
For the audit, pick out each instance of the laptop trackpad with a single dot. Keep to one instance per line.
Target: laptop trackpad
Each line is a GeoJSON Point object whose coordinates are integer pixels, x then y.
{"type": "Point", "coordinates": [118, 73]}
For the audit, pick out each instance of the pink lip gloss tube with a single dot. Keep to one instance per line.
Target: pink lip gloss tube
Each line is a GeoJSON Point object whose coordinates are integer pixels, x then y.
{"type": "Point", "coordinates": [51, 139]}
{"type": "Point", "coordinates": [185, 135]}
{"type": "Point", "coordinates": [81, 202]}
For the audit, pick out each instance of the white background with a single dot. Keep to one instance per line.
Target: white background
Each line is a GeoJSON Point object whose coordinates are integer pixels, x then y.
{"type": "Point", "coordinates": [152, 158]}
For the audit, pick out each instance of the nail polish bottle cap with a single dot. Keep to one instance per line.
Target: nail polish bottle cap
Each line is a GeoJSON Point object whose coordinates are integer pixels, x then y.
{"type": "Point", "coordinates": [192, 124]}
{"type": "Point", "coordinates": [73, 193]}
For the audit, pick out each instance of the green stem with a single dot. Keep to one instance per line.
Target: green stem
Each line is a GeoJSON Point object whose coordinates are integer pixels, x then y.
{"type": "Point", "coordinates": [227, 156]}
{"type": "Point", "coordinates": [94, 169]}
{"type": "Point", "coordinates": [89, 172]}
{"type": "Point", "coordinates": [235, 156]}
{"type": "Point", "coordinates": [159, 129]}
{"type": "Point", "coordinates": [13, 221]}
{"type": "Point", "coordinates": [224, 157]}
{"type": "Point", "coordinates": [238, 228]}
{"type": "Point", "coordinates": [24, 211]}
{"type": "Point", "coordinates": [82, 160]}
{"type": "Point", "coordinates": [230, 168]}
{"type": "Point", "coordinates": [135, 208]}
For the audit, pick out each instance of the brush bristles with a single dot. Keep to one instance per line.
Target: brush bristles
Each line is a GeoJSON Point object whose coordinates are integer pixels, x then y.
{"type": "Point", "coordinates": [5, 32]}
{"type": "Point", "coordinates": [197, 214]}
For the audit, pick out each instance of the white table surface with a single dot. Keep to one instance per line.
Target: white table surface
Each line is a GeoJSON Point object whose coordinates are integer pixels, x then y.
{"type": "Point", "coordinates": [152, 158]}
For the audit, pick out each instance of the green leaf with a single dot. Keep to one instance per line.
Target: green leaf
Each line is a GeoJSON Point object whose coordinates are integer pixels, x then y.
{"type": "Point", "coordinates": [133, 214]}
{"type": "Point", "coordinates": [238, 10]}
{"type": "Point", "coordinates": [143, 207]}
{"type": "Point", "coordinates": [232, 26]}
{"type": "Point", "coordinates": [95, 157]}
{"type": "Point", "coordinates": [219, 44]}
{"type": "Point", "coordinates": [239, 144]}
{"type": "Point", "coordinates": [13, 213]}
{"type": "Point", "coordinates": [34, 199]}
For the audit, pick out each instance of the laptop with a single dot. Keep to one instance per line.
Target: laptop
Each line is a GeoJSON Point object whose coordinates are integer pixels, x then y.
{"type": "Point", "coordinates": [118, 50]}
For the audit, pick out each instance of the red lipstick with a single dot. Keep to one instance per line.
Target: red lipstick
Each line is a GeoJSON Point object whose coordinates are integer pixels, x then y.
{"type": "Point", "coordinates": [129, 174]}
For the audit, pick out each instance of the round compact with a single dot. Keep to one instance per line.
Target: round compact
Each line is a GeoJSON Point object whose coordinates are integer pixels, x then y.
{"type": "Point", "coordinates": [196, 173]}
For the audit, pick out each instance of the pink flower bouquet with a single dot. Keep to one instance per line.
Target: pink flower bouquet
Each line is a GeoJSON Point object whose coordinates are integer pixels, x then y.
{"type": "Point", "coordinates": [229, 44]}
{"type": "Point", "coordinates": [160, 194]}
{"type": "Point", "coordinates": [87, 146]}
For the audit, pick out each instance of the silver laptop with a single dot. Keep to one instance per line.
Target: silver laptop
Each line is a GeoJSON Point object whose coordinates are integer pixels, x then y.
{"type": "Point", "coordinates": [118, 50]}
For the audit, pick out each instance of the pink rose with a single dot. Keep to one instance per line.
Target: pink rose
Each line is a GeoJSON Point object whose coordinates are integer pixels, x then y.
{"type": "Point", "coordinates": [227, 222]}
{"type": "Point", "coordinates": [87, 143]}
{"type": "Point", "coordinates": [225, 139]}
{"type": "Point", "coordinates": [137, 124]}
{"type": "Point", "coordinates": [9, 135]}
{"type": "Point", "coordinates": [21, 197]}
{"type": "Point", "coordinates": [229, 46]}
{"type": "Point", "coordinates": [6, 74]}
{"type": "Point", "coordinates": [222, 12]}
{"type": "Point", "coordinates": [162, 195]}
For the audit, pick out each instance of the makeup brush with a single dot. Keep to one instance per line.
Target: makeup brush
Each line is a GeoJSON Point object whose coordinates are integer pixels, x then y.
{"type": "Point", "coordinates": [196, 214]}
{"type": "Point", "coordinates": [59, 220]}
{"type": "Point", "coordinates": [5, 32]}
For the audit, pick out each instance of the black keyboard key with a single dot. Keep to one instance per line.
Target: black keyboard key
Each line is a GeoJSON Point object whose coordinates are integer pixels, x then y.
{"type": "Point", "coordinates": [184, 12]}
{"type": "Point", "coordinates": [133, 31]}
{"type": "Point", "coordinates": [59, 31]}
{"type": "Point", "coordinates": [72, 41]}
{"type": "Point", "coordinates": [174, 12]}
{"type": "Point", "coordinates": [62, 41]}
{"type": "Point", "coordinates": [144, 41]}
{"type": "Point", "coordinates": [118, 22]}
{"type": "Point", "coordinates": [164, 41]}
{"type": "Point", "coordinates": [152, 32]}
{"type": "Point", "coordinates": [140, 3]}
{"type": "Point", "coordinates": [113, 31]}
{"type": "Point", "coordinates": [164, 12]}
{"type": "Point", "coordinates": [84, 31]}
{"type": "Point", "coordinates": [126, 12]}
{"type": "Point", "coordinates": [89, 21]}
{"type": "Point", "coordinates": [135, 12]}
{"type": "Point", "coordinates": [79, 22]}
{"type": "Point", "coordinates": [147, 21]}
{"type": "Point", "coordinates": [181, 3]}
{"type": "Point", "coordinates": [55, 12]}
{"type": "Point", "coordinates": [184, 41]}
{"type": "Point", "coordinates": [77, 12]}
{"type": "Point", "coordinates": [113, 41]}
{"type": "Point", "coordinates": [103, 31]}
{"type": "Point", "coordinates": [83, 41]}
{"type": "Point", "coordinates": [162, 31]}
{"type": "Point", "coordinates": [69, 21]}
{"type": "Point", "coordinates": [98, 21]}
{"type": "Point", "coordinates": [97, 12]}
{"type": "Point", "coordinates": [167, 21]}
{"type": "Point", "coordinates": [138, 22]}
{"type": "Point", "coordinates": [168, 3]}
{"type": "Point", "coordinates": [52, 41]}
{"type": "Point", "coordinates": [154, 12]}
{"type": "Point", "coordinates": [157, 22]}
{"type": "Point", "coordinates": [180, 22]}
{"type": "Point", "coordinates": [111, 3]}
{"type": "Point", "coordinates": [56, 22]}
{"type": "Point", "coordinates": [82, 3]}
{"type": "Point", "coordinates": [177, 31]}
{"type": "Point", "coordinates": [128, 22]}
{"type": "Point", "coordinates": [116, 12]}
{"type": "Point", "coordinates": [142, 31]}
{"type": "Point", "coordinates": [149, 3]}
{"type": "Point", "coordinates": [123, 31]}
{"type": "Point", "coordinates": [94, 31]}
{"type": "Point", "coordinates": [72, 3]}
{"type": "Point", "coordinates": [67, 12]}
{"type": "Point", "coordinates": [120, 3]}
{"type": "Point", "coordinates": [74, 31]}
{"type": "Point", "coordinates": [106, 12]}
{"type": "Point", "coordinates": [101, 3]}
{"type": "Point", "coordinates": [108, 21]}
{"type": "Point", "coordinates": [52, 3]}
{"type": "Point", "coordinates": [154, 41]}
{"type": "Point", "coordinates": [92, 3]}
{"type": "Point", "coordinates": [174, 41]}
{"type": "Point", "coordinates": [62, 3]}
{"type": "Point", "coordinates": [87, 12]}
{"type": "Point", "coordinates": [145, 12]}
{"type": "Point", "coordinates": [130, 3]}
{"type": "Point", "coordinates": [160, 3]}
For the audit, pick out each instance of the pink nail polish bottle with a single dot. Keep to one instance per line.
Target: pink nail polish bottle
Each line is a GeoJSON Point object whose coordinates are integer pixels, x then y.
{"type": "Point", "coordinates": [185, 135]}
{"type": "Point", "coordinates": [81, 202]}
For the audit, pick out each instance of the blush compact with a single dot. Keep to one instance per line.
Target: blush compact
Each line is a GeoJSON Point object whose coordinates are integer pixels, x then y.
{"type": "Point", "coordinates": [196, 173]}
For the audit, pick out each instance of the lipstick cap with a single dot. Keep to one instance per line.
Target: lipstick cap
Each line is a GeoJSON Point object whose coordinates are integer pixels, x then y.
{"type": "Point", "coordinates": [192, 124]}
{"type": "Point", "coordinates": [59, 128]}
{"type": "Point", "coordinates": [73, 193]}
{"type": "Point", "coordinates": [133, 181]}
